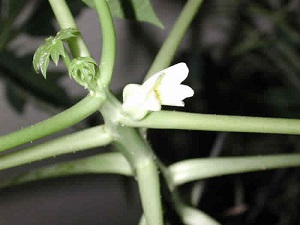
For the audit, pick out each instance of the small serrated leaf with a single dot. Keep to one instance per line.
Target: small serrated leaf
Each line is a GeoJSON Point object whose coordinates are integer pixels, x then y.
{"type": "Point", "coordinates": [53, 47]}
{"type": "Point", "coordinates": [44, 62]}
{"type": "Point", "coordinates": [56, 50]}
{"type": "Point", "coordinates": [36, 58]}
{"type": "Point", "coordinates": [67, 33]}
{"type": "Point", "coordinates": [55, 57]}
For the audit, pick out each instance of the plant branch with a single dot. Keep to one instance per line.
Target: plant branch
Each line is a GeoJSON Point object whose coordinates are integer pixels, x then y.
{"type": "Point", "coordinates": [103, 163]}
{"type": "Point", "coordinates": [194, 121]}
{"type": "Point", "coordinates": [140, 157]}
{"type": "Point", "coordinates": [193, 216]}
{"type": "Point", "coordinates": [89, 138]}
{"type": "Point", "coordinates": [168, 50]}
{"type": "Point", "coordinates": [139, 154]}
{"type": "Point", "coordinates": [108, 54]}
{"type": "Point", "coordinates": [195, 169]}
{"type": "Point", "coordinates": [63, 120]}
{"type": "Point", "coordinates": [66, 20]}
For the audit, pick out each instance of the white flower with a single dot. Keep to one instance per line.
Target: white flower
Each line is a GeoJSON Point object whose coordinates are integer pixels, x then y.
{"type": "Point", "coordinates": [163, 88]}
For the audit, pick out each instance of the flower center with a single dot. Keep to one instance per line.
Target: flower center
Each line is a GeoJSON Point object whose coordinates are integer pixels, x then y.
{"type": "Point", "coordinates": [156, 87]}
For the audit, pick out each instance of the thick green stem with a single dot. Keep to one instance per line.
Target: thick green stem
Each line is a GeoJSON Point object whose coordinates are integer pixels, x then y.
{"type": "Point", "coordinates": [139, 154]}
{"type": "Point", "coordinates": [108, 54]}
{"type": "Point", "coordinates": [149, 187]}
{"type": "Point", "coordinates": [170, 46]}
{"type": "Point", "coordinates": [63, 120]}
{"type": "Point", "coordinates": [194, 121]}
{"type": "Point", "coordinates": [190, 215]}
{"type": "Point", "coordinates": [195, 169]}
{"type": "Point", "coordinates": [66, 20]}
{"type": "Point", "coordinates": [89, 138]}
{"type": "Point", "coordinates": [112, 163]}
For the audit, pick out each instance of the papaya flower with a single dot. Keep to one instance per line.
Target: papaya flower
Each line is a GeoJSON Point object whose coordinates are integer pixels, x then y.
{"type": "Point", "coordinates": [163, 88]}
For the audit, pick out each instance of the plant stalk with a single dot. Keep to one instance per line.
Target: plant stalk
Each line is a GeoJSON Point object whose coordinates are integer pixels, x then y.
{"type": "Point", "coordinates": [89, 138]}
{"type": "Point", "coordinates": [196, 169]}
{"type": "Point", "coordinates": [140, 156]}
{"type": "Point", "coordinates": [108, 54]}
{"type": "Point", "coordinates": [166, 53]}
{"type": "Point", "coordinates": [206, 122]}
{"type": "Point", "coordinates": [63, 120]}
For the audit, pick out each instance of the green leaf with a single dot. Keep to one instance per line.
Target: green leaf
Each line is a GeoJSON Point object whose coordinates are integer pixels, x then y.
{"type": "Point", "coordinates": [56, 51]}
{"type": "Point", "coordinates": [37, 55]}
{"type": "Point", "coordinates": [44, 62]}
{"type": "Point", "coordinates": [67, 33]}
{"type": "Point", "coordinates": [131, 9]}
{"type": "Point", "coordinates": [53, 47]}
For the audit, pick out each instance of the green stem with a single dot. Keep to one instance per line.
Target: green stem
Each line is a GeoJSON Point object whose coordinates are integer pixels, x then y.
{"type": "Point", "coordinates": [195, 169]}
{"type": "Point", "coordinates": [89, 138]}
{"type": "Point", "coordinates": [108, 54]}
{"type": "Point", "coordinates": [66, 20]}
{"type": "Point", "coordinates": [113, 163]}
{"type": "Point", "coordinates": [190, 215]}
{"type": "Point", "coordinates": [168, 50]}
{"type": "Point", "coordinates": [139, 154]}
{"type": "Point", "coordinates": [194, 121]}
{"type": "Point", "coordinates": [65, 119]}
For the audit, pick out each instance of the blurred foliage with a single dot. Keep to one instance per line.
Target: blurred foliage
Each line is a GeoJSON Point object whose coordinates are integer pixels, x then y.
{"type": "Point", "coordinates": [258, 60]}
{"type": "Point", "coordinates": [131, 9]}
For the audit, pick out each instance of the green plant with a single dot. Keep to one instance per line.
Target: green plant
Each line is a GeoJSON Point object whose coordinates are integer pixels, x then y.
{"type": "Point", "coordinates": [124, 124]}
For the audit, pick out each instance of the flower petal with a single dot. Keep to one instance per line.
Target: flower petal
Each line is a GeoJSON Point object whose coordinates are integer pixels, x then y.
{"type": "Point", "coordinates": [176, 96]}
{"type": "Point", "coordinates": [172, 75]}
{"type": "Point", "coordinates": [175, 74]}
{"type": "Point", "coordinates": [163, 88]}
{"type": "Point", "coordinates": [152, 103]}
{"type": "Point", "coordinates": [131, 91]}
{"type": "Point", "coordinates": [151, 82]}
